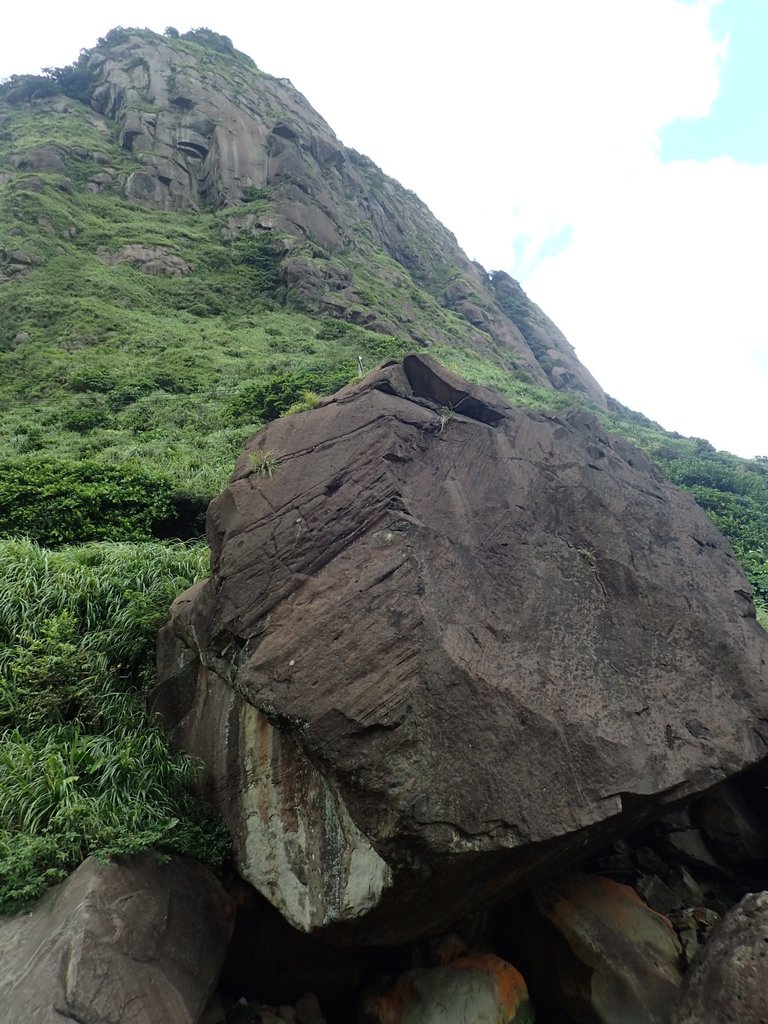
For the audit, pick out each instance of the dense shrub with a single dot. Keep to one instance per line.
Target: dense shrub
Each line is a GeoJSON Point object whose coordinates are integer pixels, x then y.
{"type": "Point", "coordinates": [258, 257]}
{"type": "Point", "coordinates": [124, 395]}
{"type": "Point", "coordinates": [92, 379]}
{"type": "Point", "coordinates": [85, 418]}
{"type": "Point", "coordinates": [331, 330]}
{"type": "Point", "coordinates": [75, 80]}
{"type": "Point", "coordinates": [722, 474]}
{"type": "Point", "coordinates": [210, 39]}
{"type": "Point", "coordinates": [55, 501]}
{"type": "Point", "coordinates": [271, 398]}
{"type": "Point", "coordinates": [744, 521]}
{"type": "Point", "coordinates": [24, 88]}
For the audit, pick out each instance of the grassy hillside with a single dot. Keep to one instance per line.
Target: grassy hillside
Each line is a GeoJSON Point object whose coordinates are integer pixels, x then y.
{"type": "Point", "coordinates": [125, 397]}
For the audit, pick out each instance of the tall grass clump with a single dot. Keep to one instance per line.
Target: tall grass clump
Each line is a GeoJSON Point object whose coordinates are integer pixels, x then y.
{"type": "Point", "coordinates": [84, 769]}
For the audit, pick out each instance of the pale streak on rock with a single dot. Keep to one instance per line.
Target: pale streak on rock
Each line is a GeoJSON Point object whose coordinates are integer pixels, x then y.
{"type": "Point", "coordinates": [301, 848]}
{"type": "Point", "coordinates": [294, 839]}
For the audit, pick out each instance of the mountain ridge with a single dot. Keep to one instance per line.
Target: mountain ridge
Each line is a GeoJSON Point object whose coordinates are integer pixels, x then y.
{"type": "Point", "coordinates": [204, 135]}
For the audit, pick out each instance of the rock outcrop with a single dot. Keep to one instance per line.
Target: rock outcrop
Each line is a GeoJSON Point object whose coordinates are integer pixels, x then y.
{"type": "Point", "coordinates": [206, 127]}
{"type": "Point", "coordinates": [728, 982]}
{"type": "Point", "coordinates": [554, 353]}
{"type": "Point", "coordinates": [136, 941]}
{"type": "Point", "coordinates": [150, 259]}
{"type": "Point", "coordinates": [449, 645]}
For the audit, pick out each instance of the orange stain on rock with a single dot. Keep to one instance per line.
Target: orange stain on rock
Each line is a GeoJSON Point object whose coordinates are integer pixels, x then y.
{"type": "Point", "coordinates": [389, 1007]}
{"type": "Point", "coordinates": [609, 900]}
{"type": "Point", "coordinates": [413, 995]}
{"type": "Point", "coordinates": [509, 981]}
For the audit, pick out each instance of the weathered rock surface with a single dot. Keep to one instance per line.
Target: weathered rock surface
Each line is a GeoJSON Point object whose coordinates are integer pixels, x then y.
{"type": "Point", "coordinates": [135, 942]}
{"type": "Point", "coordinates": [449, 646]}
{"type": "Point", "coordinates": [600, 954]}
{"type": "Point", "coordinates": [44, 158]}
{"type": "Point", "coordinates": [728, 981]}
{"type": "Point", "coordinates": [476, 989]}
{"type": "Point", "coordinates": [150, 259]}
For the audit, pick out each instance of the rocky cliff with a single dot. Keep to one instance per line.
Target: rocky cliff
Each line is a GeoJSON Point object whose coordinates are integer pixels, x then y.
{"type": "Point", "coordinates": [207, 128]}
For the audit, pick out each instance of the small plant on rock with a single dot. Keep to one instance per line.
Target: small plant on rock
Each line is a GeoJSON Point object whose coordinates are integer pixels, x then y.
{"type": "Point", "coordinates": [446, 415]}
{"type": "Point", "coordinates": [308, 400]}
{"type": "Point", "coordinates": [263, 462]}
{"type": "Point", "coordinates": [589, 556]}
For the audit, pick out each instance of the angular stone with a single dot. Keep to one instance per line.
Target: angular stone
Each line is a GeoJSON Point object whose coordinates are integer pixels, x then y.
{"type": "Point", "coordinates": [135, 941]}
{"type": "Point", "coordinates": [449, 645]}
{"type": "Point", "coordinates": [689, 846]}
{"type": "Point", "coordinates": [605, 956]}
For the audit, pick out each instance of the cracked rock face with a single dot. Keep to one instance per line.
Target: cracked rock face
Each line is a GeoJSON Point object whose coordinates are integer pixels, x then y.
{"type": "Point", "coordinates": [449, 646]}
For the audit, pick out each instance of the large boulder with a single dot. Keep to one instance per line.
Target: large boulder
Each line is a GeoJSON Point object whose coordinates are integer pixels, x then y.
{"type": "Point", "coordinates": [728, 981]}
{"type": "Point", "coordinates": [135, 941]}
{"type": "Point", "coordinates": [449, 645]}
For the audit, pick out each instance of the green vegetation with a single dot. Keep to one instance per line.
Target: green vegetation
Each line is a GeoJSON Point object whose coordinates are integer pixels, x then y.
{"type": "Point", "coordinates": [83, 768]}
{"type": "Point", "coordinates": [263, 462]}
{"type": "Point", "coordinates": [307, 400]}
{"type": "Point", "coordinates": [125, 399]}
{"type": "Point", "coordinates": [60, 502]}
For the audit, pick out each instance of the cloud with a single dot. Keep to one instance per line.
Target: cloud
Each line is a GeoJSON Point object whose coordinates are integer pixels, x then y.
{"type": "Point", "coordinates": [549, 135]}
{"type": "Point", "coordinates": [664, 291]}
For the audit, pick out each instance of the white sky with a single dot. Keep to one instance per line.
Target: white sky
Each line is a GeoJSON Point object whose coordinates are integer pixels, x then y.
{"type": "Point", "coordinates": [530, 127]}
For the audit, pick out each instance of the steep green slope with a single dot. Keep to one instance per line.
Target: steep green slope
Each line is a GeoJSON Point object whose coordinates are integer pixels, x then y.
{"type": "Point", "coordinates": [160, 304]}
